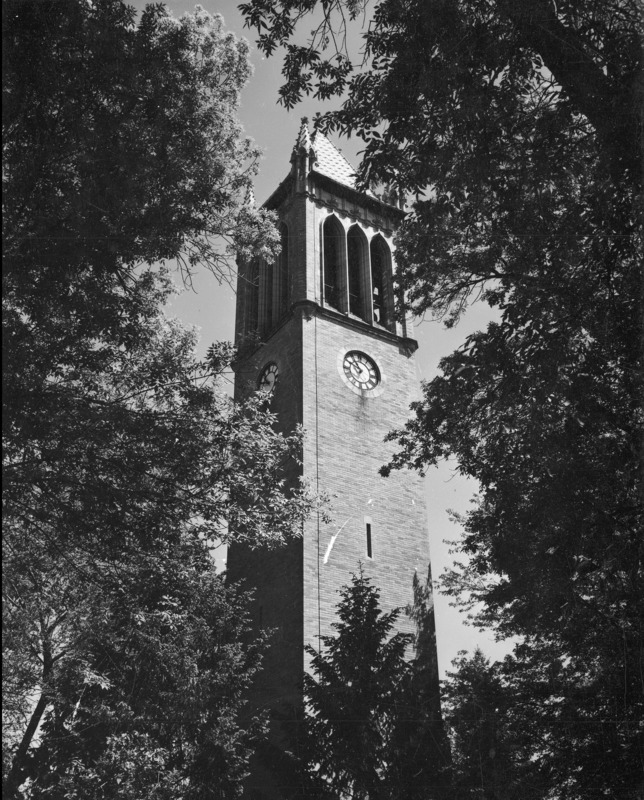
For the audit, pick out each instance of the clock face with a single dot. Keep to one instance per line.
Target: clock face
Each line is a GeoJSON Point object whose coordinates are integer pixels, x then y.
{"type": "Point", "coordinates": [361, 370]}
{"type": "Point", "coordinates": [268, 378]}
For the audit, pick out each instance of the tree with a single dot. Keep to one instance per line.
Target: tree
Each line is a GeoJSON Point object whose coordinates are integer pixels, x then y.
{"type": "Point", "coordinates": [517, 726]}
{"type": "Point", "coordinates": [433, 73]}
{"type": "Point", "coordinates": [352, 693]}
{"type": "Point", "coordinates": [122, 144]}
{"type": "Point", "coordinates": [122, 149]}
{"type": "Point", "coordinates": [144, 702]}
{"type": "Point", "coordinates": [517, 126]}
{"type": "Point", "coordinates": [373, 726]}
{"type": "Point", "coordinates": [488, 735]}
{"type": "Point", "coordinates": [113, 608]}
{"type": "Point", "coordinates": [421, 767]}
{"type": "Point", "coordinates": [124, 460]}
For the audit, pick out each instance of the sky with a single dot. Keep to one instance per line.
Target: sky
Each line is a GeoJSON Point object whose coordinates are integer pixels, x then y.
{"type": "Point", "coordinates": [211, 307]}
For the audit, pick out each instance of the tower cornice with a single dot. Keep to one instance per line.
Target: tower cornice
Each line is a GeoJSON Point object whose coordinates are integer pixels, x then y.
{"type": "Point", "coordinates": [359, 198]}
{"type": "Point", "coordinates": [337, 189]}
{"type": "Point", "coordinates": [308, 309]}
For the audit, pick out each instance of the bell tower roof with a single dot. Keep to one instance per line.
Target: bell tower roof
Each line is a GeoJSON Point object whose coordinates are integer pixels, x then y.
{"type": "Point", "coordinates": [315, 160]}
{"type": "Point", "coordinates": [327, 159]}
{"type": "Point", "coordinates": [331, 162]}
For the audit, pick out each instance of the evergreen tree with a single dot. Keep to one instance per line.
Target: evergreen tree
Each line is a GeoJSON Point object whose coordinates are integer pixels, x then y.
{"type": "Point", "coordinates": [373, 727]}
{"type": "Point", "coordinates": [422, 764]}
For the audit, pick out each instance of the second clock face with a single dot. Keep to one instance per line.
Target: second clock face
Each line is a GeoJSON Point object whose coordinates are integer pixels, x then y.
{"type": "Point", "coordinates": [268, 378]}
{"type": "Point", "coordinates": [361, 370]}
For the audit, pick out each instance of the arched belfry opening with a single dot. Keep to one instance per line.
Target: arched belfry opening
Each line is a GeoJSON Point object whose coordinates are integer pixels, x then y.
{"type": "Point", "coordinates": [334, 263]}
{"type": "Point", "coordinates": [266, 288]}
{"type": "Point", "coordinates": [249, 290]}
{"type": "Point", "coordinates": [358, 270]}
{"type": "Point", "coordinates": [381, 282]}
{"type": "Point", "coordinates": [267, 308]}
{"type": "Point", "coordinates": [283, 275]}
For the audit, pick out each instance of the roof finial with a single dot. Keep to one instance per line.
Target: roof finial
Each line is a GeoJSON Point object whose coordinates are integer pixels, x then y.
{"type": "Point", "coordinates": [249, 200]}
{"type": "Point", "coordinates": [303, 141]}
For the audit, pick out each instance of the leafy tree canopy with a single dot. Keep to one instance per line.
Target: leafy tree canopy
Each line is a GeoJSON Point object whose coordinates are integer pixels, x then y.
{"type": "Point", "coordinates": [434, 74]}
{"type": "Point", "coordinates": [121, 475]}
{"type": "Point", "coordinates": [517, 726]}
{"type": "Point", "coordinates": [124, 459]}
{"type": "Point", "coordinates": [121, 147]}
{"type": "Point", "coordinates": [143, 670]}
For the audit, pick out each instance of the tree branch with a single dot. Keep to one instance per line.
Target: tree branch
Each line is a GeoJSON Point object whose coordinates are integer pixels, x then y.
{"type": "Point", "coordinates": [19, 765]}
{"type": "Point", "coordinates": [565, 54]}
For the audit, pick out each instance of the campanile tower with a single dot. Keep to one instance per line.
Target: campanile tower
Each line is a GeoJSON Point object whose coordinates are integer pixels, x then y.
{"type": "Point", "coordinates": [317, 329]}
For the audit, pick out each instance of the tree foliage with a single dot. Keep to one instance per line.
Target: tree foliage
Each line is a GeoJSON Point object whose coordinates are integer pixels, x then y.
{"type": "Point", "coordinates": [437, 76]}
{"type": "Point", "coordinates": [502, 719]}
{"type": "Point", "coordinates": [145, 678]}
{"type": "Point", "coordinates": [121, 475]}
{"type": "Point", "coordinates": [492, 758]}
{"type": "Point", "coordinates": [518, 127]}
{"type": "Point", "coordinates": [373, 727]}
{"type": "Point", "coordinates": [121, 141]}
{"type": "Point", "coordinates": [124, 459]}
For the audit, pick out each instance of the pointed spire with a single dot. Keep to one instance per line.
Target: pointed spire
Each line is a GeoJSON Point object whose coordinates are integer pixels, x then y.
{"type": "Point", "coordinates": [304, 156]}
{"type": "Point", "coordinates": [303, 141]}
{"type": "Point", "coordinates": [249, 200]}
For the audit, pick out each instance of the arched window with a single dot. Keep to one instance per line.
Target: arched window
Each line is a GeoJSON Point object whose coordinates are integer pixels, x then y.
{"type": "Point", "coordinates": [266, 297]}
{"type": "Point", "coordinates": [381, 283]}
{"type": "Point", "coordinates": [333, 244]}
{"type": "Point", "coordinates": [358, 272]}
{"type": "Point", "coordinates": [283, 274]}
{"type": "Point", "coordinates": [251, 290]}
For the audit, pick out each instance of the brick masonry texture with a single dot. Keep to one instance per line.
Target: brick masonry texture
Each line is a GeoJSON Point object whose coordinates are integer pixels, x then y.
{"type": "Point", "coordinates": [343, 452]}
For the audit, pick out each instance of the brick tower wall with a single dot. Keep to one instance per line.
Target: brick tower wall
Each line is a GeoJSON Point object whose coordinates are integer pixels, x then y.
{"type": "Point", "coordinates": [343, 452]}
{"type": "Point", "coordinates": [275, 575]}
